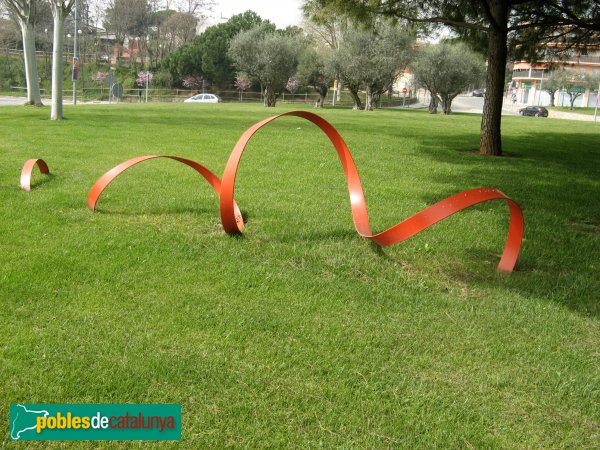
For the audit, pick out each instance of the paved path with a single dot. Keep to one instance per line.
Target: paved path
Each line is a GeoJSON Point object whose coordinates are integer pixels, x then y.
{"type": "Point", "coordinates": [462, 103]}
{"type": "Point", "coordinates": [474, 105]}
{"type": "Point", "coordinates": [572, 116]}
{"type": "Point", "coordinates": [7, 100]}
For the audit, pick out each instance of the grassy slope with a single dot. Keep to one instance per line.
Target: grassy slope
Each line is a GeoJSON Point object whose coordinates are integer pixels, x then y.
{"type": "Point", "coordinates": [301, 333]}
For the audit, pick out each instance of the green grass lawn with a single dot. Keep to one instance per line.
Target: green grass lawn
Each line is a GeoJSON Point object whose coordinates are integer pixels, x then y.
{"type": "Point", "coordinates": [301, 334]}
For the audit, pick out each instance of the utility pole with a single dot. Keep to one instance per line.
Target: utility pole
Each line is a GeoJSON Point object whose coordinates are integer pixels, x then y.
{"type": "Point", "coordinates": [75, 59]}
{"type": "Point", "coordinates": [597, 101]}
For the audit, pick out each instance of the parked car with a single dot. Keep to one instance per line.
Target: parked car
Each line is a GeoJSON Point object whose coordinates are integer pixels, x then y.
{"type": "Point", "coordinates": [537, 111]}
{"type": "Point", "coordinates": [203, 98]}
{"type": "Point", "coordinates": [478, 92]}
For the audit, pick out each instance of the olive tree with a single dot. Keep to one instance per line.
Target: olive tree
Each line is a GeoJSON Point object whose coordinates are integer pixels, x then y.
{"type": "Point", "coordinates": [24, 12]}
{"type": "Point", "coordinates": [313, 71]}
{"type": "Point", "coordinates": [373, 58]}
{"type": "Point", "coordinates": [554, 83]}
{"type": "Point", "coordinates": [447, 69]}
{"type": "Point", "coordinates": [502, 25]}
{"type": "Point", "coordinates": [267, 57]}
{"type": "Point", "coordinates": [572, 82]}
{"type": "Point", "coordinates": [338, 65]}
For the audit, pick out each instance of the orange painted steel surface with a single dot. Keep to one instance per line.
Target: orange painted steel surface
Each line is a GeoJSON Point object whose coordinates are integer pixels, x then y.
{"type": "Point", "coordinates": [233, 223]}
{"type": "Point", "coordinates": [28, 168]}
{"type": "Point", "coordinates": [109, 176]}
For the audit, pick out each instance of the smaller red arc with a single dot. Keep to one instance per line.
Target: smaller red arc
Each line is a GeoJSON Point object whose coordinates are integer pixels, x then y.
{"type": "Point", "coordinates": [109, 176]}
{"type": "Point", "coordinates": [398, 233]}
{"type": "Point", "coordinates": [28, 168]}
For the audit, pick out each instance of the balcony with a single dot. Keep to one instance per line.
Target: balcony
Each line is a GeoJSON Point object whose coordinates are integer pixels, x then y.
{"type": "Point", "coordinates": [574, 57]}
{"type": "Point", "coordinates": [589, 59]}
{"type": "Point", "coordinates": [530, 74]}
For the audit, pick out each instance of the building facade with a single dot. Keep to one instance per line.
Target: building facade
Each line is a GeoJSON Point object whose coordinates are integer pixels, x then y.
{"type": "Point", "coordinates": [527, 85]}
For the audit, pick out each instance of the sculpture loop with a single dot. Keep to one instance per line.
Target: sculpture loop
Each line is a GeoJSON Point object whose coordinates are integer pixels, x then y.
{"type": "Point", "coordinates": [28, 168]}
{"type": "Point", "coordinates": [109, 176]}
{"type": "Point", "coordinates": [397, 233]}
{"type": "Point", "coordinates": [233, 223]}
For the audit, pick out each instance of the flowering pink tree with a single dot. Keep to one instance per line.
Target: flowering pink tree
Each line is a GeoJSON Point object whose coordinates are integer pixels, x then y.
{"type": "Point", "coordinates": [144, 78]}
{"type": "Point", "coordinates": [100, 77]}
{"type": "Point", "coordinates": [241, 83]}
{"type": "Point", "coordinates": [193, 81]}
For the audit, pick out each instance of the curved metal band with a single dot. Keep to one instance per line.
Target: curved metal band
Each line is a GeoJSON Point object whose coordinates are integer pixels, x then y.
{"type": "Point", "coordinates": [28, 168]}
{"type": "Point", "coordinates": [109, 176]}
{"type": "Point", "coordinates": [232, 222]}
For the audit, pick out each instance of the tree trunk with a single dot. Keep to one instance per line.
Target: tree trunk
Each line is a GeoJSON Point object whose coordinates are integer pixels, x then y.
{"type": "Point", "coordinates": [56, 112]}
{"type": "Point", "coordinates": [433, 103]}
{"type": "Point", "coordinates": [320, 102]}
{"type": "Point", "coordinates": [322, 94]}
{"type": "Point", "coordinates": [369, 101]}
{"type": "Point", "coordinates": [551, 94]}
{"type": "Point", "coordinates": [340, 88]}
{"type": "Point", "coordinates": [376, 98]}
{"type": "Point", "coordinates": [491, 140]}
{"type": "Point", "coordinates": [572, 98]}
{"type": "Point", "coordinates": [31, 70]}
{"type": "Point", "coordinates": [270, 97]}
{"type": "Point", "coordinates": [357, 102]}
{"type": "Point", "coordinates": [447, 106]}
{"type": "Point", "coordinates": [447, 103]}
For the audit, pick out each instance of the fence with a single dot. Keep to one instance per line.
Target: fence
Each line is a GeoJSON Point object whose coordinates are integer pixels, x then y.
{"type": "Point", "coordinates": [179, 95]}
{"type": "Point", "coordinates": [138, 95]}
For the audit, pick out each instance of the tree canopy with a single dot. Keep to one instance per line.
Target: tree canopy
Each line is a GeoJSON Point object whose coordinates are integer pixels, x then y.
{"type": "Point", "coordinates": [207, 55]}
{"type": "Point", "coordinates": [128, 18]}
{"type": "Point", "coordinates": [447, 69]}
{"type": "Point", "coordinates": [268, 57]}
{"type": "Point", "coordinates": [372, 58]}
{"type": "Point", "coordinates": [572, 82]}
{"type": "Point", "coordinates": [313, 71]}
{"type": "Point", "coordinates": [523, 23]}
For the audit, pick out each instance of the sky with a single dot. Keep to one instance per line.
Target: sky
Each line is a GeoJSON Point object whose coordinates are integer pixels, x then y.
{"type": "Point", "coordinates": [281, 12]}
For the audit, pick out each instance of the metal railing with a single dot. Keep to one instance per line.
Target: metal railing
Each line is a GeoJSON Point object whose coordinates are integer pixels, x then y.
{"type": "Point", "coordinates": [158, 95]}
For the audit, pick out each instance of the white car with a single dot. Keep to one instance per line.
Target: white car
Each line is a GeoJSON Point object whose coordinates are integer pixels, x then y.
{"type": "Point", "coordinates": [203, 98]}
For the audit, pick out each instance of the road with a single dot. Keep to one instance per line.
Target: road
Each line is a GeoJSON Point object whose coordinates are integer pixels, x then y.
{"type": "Point", "coordinates": [469, 104]}
{"type": "Point", "coordinates": [7, 101]}
{"type": "Point", "coordinates": [462, 103]}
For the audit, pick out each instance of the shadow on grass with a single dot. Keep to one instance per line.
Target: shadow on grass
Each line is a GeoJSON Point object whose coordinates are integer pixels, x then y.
{"type": "Point", "coordinates": [317, 236]}
{"type": "Point", "coordinates": [154, 211]}
{"type": "Point", "coordinates": [38, 181]}
{"type": "Point", "coordinates": [555, 179]}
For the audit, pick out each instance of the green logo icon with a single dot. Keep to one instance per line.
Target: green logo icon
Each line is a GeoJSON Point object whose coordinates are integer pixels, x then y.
{"type": "Point", "coordinates": [95, 422]}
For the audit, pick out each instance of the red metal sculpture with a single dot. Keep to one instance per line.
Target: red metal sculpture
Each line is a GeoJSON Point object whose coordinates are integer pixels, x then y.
{"type": "Point", "coordinates": [109, 176]}
{"type": "Point", "coordinates": [28, 168]}
{"type": "Point", "coordinates": [411, 226]}
{"type": "Point", "coordinates": [233, 223]}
